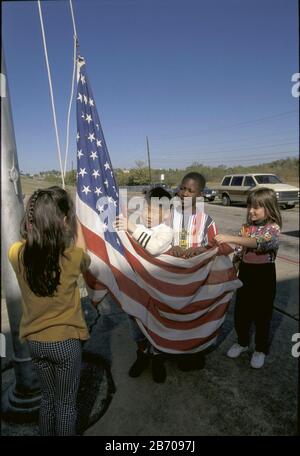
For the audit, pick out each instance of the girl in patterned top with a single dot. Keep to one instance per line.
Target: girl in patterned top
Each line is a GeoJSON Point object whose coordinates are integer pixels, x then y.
{"type": "Point", "coordinates": [258, 243]}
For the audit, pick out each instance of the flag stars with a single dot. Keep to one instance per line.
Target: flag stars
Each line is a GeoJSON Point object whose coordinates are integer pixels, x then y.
{"type": "Point", "coordinates": [94, 155]}
{"type": "Point", "coordinates": [82, 172]}
{"type": "Point", "coordinates": [97, 125]}
{"type": "Point", "coordinates": [85, 99]}
{"type": "Point", "coordinates": [106, 183]}
{"type": "Point", "coordinates": [96, 173]}
{"type": "Point", "coordinates": [98, 191]}
{"type": "Point", "coordinates": [110, 199]}
{"type": "Point", "coordinates": [82, 79]}
{"type": "Point", "coordinates": [91, 137]}
{"type": "Point", "coordinates": [88, 118]}
{"type": "Point", "coordinates": [79, 97]}
{"type": "Point", "coordinates": [77, 136]}
{"type": "Point", "coordinates": [99, 141]}
{"type": "Point", "coordinates": [86, 189]}
{"type": "Point", "coordinates": [106, 166]}
{"type": "Point", "coordinates": [80, 154]}
{"type": "Point", "coordinates": [91, 102]}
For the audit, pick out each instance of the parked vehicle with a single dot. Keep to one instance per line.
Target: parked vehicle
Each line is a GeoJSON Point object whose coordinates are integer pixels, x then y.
{"type": "Point", "coordinates": [235, 188]}
{"type": "Point", "coordinates": [209, 194]}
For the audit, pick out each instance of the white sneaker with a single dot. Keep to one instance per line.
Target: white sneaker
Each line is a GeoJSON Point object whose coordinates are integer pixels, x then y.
{"type": "Point", "coordinates": [236, 350]}
{"type": "Point", "coordinates": [257, 360]}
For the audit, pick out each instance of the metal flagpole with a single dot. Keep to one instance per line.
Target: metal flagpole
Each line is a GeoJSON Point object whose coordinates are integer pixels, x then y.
{"type": "Point", "coordinates": [20, 400]}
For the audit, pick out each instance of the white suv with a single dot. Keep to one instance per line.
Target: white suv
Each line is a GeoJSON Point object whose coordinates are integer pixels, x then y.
{"type": "Point", "coordinates": [235, 188]}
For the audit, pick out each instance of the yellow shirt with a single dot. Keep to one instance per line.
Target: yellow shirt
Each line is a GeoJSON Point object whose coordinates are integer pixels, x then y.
{"type": "Point", "coordinates": [57, 318]}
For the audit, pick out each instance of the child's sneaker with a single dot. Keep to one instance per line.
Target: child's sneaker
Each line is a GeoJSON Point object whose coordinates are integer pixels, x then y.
{"type": "Point", "coordinates": [257, 360]}
{"type": "Point", "coordinates": [236, 350]}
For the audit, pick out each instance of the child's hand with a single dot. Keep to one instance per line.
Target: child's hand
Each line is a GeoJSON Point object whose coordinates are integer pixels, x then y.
{"type": "Point", "coordinates": [123, 224]}
{"type": "Point", "coordinates": [120, 224]}
{"type": "Point", "coordinates": [193, 251]}
{"type": "Point", "coordinates": [176, 251]}
{"type": "Point", "coordinates": [223, 239]}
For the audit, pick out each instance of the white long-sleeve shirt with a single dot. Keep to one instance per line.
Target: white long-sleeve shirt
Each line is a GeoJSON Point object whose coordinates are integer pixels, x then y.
{"type": "Point", "coordinates": [155, 240]}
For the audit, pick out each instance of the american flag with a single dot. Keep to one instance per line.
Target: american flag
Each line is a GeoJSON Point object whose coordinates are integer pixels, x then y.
{"type": "Point", "coordinates": [179, 304]}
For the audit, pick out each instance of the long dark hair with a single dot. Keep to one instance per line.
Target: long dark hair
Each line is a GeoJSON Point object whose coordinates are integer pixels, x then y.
{"type": "Point", "coordinates": [266, 198]}
{"type": "Point", "coordinates": [48, 226]}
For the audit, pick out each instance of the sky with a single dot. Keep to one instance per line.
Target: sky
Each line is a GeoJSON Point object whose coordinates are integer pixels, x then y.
{"type": "Point", "coordinates": [207, 81]}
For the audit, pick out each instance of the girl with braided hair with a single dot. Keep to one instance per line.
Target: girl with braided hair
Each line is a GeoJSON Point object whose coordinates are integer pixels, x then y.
{"type": "Point", "coordinates": [47, 262]}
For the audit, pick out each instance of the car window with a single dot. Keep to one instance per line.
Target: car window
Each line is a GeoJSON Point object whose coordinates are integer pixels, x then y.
{"type": "Point", "coordinates": [265, 179]}
{"type": "Point", "coordinates": [226, 180]}
{"type": "Point", "coordinates": [237, 180]}
{"type": "Point", "coordinates": [249, 181]}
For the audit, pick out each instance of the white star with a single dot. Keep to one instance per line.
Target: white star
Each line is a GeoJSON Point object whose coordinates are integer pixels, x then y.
{"type": "Point", "coordinates": [98, 191]}
{"type": "Point", "coordinates": [115, 203]}
{"type": "Point", "coordinates": [82, 172]}
{"type": "Point", "coordinates": [96, 173]}
{"type": "Point", "coordinates": [97, 125]}
{"type": "Point", "coordinates": [99, 141]}
{"type": "Point", "coordinates": [77, 136]}
{"type": "Point", "coordinates": [88, 118]}
{"type": "Point", "coordinates": [118, 242]}
{"type": "Point", "coordinates": [91, 137]}
{"type": "Point", "coordinates": [86, 189]}
{"type": "Point", "coordinates": [94, 155]}
{"type": "Point", "coordinates": [105, 226]}
{"type": "Point", "coordinates": [117, 194]}
{"type": "Point", "coordinates": [100, 208]}
{"type": "Point", "coordinates": [82, 115]}
{"type": "Point", "coordinates": [110, 199]}
{"type": "Point", "coordinates": [106, 166]}
{"type": "Point", "coordinates": [79, 154]}
{"type": "Point", "coordinates": [79, 97]}
{"type": "Point", "coordinates": [91, 102]}
{"type": "Point", "coordinates": [85, 99]}
{"type": "Point", "coordinates": [106, 183]}
{"type": "Point", "coordinates": [82, 79]}
{"type": "Point", "coordinates": [111, 173]}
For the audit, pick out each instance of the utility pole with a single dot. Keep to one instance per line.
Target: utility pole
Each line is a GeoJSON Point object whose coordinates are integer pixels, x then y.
{"type": "Point", "coordinates": [21, 400]}
{"type": "Point", "coordinates": [148, 151]}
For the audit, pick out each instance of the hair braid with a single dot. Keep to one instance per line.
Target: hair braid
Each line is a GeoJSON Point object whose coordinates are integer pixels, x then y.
{"type": "Point", "coordinates": [32, 203]}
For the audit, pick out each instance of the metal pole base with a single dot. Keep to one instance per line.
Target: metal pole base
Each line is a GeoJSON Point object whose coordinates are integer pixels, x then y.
{"type": "Point", "coordinates": [20, 407]}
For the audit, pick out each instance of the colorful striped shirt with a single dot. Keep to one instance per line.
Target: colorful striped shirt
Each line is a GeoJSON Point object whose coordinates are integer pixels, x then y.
{"type": "Point", "coordinates": [201, 228]}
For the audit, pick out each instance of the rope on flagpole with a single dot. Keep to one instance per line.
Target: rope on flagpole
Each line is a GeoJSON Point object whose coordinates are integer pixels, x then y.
{"type": "Point", "coordinates": [72, 14]}
{"type": "Point", "coordinates": [72, 88]}
{"type": "Point", "coordinates": [70, 105]}
{"type": "Point", "coordinates": [51, 95]}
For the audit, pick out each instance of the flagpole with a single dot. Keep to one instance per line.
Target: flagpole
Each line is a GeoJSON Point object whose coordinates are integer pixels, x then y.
{"type": "Point", "coordinates": [21, 399]}
{"type": "Point", "coordinates": [148, 151]}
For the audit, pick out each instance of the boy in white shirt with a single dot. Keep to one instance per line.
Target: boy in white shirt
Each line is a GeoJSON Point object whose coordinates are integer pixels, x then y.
{"type": "Point", "coordinates": [156, 237]}
{"type": "Point", "coordinates": [153, 234]}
